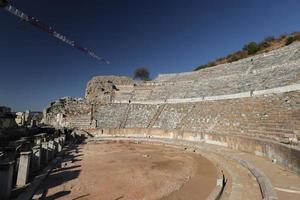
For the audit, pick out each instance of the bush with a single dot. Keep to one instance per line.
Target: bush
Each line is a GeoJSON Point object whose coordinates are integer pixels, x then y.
{"type": "Point", "coordinates": [251, 48]}
{"type": "Point", "coordinates": [233, 58]}
{"type": "Point", "coordinates": [290, 40]}
{"type": "Point", "coordinates": [264, 45]}
{"type": "Point", "coordinates": [210, 64]}
{"type": "Point", "coordinates": [297, 37]}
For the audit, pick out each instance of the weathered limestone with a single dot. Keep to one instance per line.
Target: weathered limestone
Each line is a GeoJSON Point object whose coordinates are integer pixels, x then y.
{"type": "Point", "coordinates": [70, 117]}
{"type": "Point", "coordinates": [110, 115]}
{"type": "Point", "coordinates": [6, 178]}
{"type": "Point", "coordinates": [103, 88]}
{"type": "Point", "coordinates": [140, 115]}
{"type": "Point", "coordinates": [23, 170]}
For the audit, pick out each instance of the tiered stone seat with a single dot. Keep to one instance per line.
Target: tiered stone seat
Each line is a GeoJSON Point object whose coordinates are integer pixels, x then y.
{"type": "Point", "coordinates": [159, 93]}
{"type": "Point", "coordinates": [80, 121]}
{"type": "Point", "coordinates": [255, 73]}
{"type": "Point", "coordinates": [124, 93]}
{"type": "Point", "coordinates": [110, 115]}
{"type": "Point", "coordinates": [172, 115]}
{"type": "Point", "coordinates": [122, 96]}
{"type": "Point", "coordinates": [140, 116]}
{"type": "Point", "coordinates": [272, 116]}
{"type": "Point", "coordinates": [276, 68]}
{"type": "Point", "coordinates": [141, 93]}
{"type": "Point", "coordinates": [164, 78]}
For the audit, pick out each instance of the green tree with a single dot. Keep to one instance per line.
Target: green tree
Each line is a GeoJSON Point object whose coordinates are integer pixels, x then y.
{"type": "Point", "coordinates": [290, 40]}
{"type": "Point", "coordinates": [251, 48]}
{"type": "Point", "coordinates": [141, 73]}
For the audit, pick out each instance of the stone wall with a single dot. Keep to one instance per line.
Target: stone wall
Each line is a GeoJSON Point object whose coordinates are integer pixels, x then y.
{"type": "Point", "coordinates": [28, 118]}
{"type": "Point", "coordinates": [110, 115]}
{"type": "Point", "coordinates": [102, 88]}
{"type": "Point", "coordinates": [68, 112]}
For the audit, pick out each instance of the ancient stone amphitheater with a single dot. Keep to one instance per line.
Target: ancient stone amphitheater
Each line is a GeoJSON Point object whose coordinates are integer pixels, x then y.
{"type": "Point", "coordinates": [244, 117]}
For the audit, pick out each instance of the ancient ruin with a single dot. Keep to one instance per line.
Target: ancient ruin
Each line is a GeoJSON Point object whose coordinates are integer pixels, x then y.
{"type": "Point", "coordinates": [230, 131]}
{"type": "Point", "coordinates": [247, 110]}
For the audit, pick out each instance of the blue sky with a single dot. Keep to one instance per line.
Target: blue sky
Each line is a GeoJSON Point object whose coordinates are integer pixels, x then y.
{"type": "Point", "coordinates": [163, 35]}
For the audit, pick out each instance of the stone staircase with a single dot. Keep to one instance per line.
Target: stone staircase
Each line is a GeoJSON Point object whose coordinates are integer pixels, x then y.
{"type": "Point", "coordinates": [125, 117]}
{"type": "Point", "coordinates": [157, 114]}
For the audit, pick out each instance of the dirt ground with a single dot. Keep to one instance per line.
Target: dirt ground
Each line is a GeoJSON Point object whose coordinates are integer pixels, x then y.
{"type": "Point", "coordinates": [129, 171]}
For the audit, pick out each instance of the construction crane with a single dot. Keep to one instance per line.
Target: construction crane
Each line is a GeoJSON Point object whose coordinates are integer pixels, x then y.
{"type": "Point", "coordinates": [48, 29]}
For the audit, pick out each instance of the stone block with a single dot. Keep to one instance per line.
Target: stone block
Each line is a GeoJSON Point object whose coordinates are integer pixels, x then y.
{"type": "Point", "coordinates": [24, 168]}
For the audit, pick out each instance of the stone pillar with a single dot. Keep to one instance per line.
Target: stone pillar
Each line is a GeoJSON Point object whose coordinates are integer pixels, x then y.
{"type": "Point", "coordinates": [6, 178]}
{"type": "Point", "coordinates": [57, 144]}
{"type": "Point", "coordinates": [63, 138]}
{"type": "Point", "coordinates": [60, 144]}
{"type": "Point", "coordinates": [44, 153]}
{"type": "Point", "coordinates": [51, 149]}
{"type": "Point", "coordinates": [23, 170]}
{"type": "Point", "coordinates": [38, 140]}
{"type": "Point", "coordinates": [36, 158]}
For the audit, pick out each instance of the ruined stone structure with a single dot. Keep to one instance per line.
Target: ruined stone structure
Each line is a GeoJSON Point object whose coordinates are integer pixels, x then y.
{"type": "Point", "coordinates": [257, 96]}
{"type": "Point", "coordinates": [23, 158]}
{"type": "Point", "coordinates": [28, 118]}
{"type": "Point", "coordinates": [252, 105]}
{"type": "Point", "coordinates": [105, 88]}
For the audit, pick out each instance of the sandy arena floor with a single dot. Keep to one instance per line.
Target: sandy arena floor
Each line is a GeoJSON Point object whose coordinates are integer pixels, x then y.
{"type": "Point", "coordinates": [129, 171]}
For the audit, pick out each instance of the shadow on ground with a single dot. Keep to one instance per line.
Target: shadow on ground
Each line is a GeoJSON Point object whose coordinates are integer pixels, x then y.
{"type": "Point", "coordinates": [62, 173]}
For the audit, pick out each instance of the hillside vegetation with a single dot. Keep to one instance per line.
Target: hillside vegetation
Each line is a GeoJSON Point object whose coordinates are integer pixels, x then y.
{"type": "Point", "coordinates": [253, 48]}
